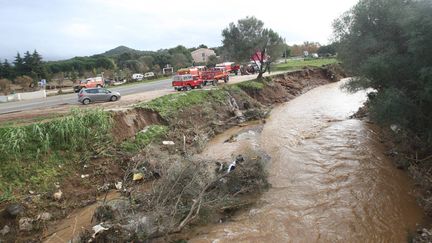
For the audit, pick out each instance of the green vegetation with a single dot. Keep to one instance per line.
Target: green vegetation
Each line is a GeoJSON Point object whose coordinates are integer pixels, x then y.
{"type": "Point", "coordinates": [119, 63]}
{"type": "Point", "coordinates": [144, 138]}
{"type": "Point", "coordinates": [34, 155]}
{"type": "Point", "coordinates": [299, 64]}
{"type": "Point", "coordinates": [242, 40]}
{"type": "Point", "coordinates": [169, 105]}
{"type": "Point", "coordinates": [387, 44]}
{"type": "Point", "coordinates": [251, 85]}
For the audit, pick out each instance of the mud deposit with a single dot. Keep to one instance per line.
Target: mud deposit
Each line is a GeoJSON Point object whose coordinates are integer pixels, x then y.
{"type": "Point", "coordinates": [331, 181]}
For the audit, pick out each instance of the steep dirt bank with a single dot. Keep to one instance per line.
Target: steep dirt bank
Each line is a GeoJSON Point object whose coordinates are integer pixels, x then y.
{"type": "Point", "coordinates": [285, 87]}
{"type": "Point", "coordinates": [192, 119]}
{"type": "Point", "coordinates": [129, 122]}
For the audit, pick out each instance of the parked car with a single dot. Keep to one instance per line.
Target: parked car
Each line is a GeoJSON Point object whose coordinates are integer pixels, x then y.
{"type": "Point", "coordinates": [137, 76]}
{"type": "Point", "coordinates": [149, 75]}
{"type": "Point", "coordinates": [96, 82]}
{"type": "Point", "coordinates": [87, 96]}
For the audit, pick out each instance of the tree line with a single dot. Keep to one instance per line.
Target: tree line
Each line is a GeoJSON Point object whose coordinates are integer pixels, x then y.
{"type": "Point", "coordinates": [240, 41]}
{"type": "Point", "coordinates": [387, 45]}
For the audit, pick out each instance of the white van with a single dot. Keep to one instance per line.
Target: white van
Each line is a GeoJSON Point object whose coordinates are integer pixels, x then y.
{"type": "Point", "coordinates": [137, 76]}
{"type": "Point", "coordinates": [149, 74]}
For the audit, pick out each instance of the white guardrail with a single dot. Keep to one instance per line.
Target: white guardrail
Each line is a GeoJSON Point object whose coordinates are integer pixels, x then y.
{"type": "Point", "coordinates": [24, 96]}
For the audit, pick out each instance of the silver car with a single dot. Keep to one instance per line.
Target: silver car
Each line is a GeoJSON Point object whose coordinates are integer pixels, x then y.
{"type": "Point", "coordinates": [86, 96]}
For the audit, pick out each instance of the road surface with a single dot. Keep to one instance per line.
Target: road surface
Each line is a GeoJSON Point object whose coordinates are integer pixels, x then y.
{"type": "Point", "coordinates": [71, 99]}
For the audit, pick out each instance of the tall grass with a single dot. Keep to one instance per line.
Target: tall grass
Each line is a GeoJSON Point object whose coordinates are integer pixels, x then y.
{"type": "Point", "coordinates": [74, 132]}
{"type": "Point", "coordinates": [31, 154]}
{"type": "Point", "coordinates": [299, 64]}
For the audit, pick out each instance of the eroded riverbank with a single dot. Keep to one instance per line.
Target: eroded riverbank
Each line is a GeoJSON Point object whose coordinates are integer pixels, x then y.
{"type": "Point", "coordinates": [330, 178]}
{"type": "Point", "coordinates": [317, 175]}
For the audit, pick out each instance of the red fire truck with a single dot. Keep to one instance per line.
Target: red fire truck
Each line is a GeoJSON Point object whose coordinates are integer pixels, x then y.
{"type": "Point", "coordinates": [230, 67]}
{"type": "Point", "coordinates": [190, 78]}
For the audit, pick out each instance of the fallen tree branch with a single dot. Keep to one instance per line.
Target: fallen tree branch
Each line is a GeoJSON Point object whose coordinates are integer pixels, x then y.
{"type": "Point", "coordinates": [197, 202]}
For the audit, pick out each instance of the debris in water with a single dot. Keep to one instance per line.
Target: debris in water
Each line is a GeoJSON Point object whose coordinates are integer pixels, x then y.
{"type": "Point", "coordinates": [231, 167]}
{"type": "Point", "coordinates": [104, 187]}
{"type": "Point", "coordinates": [25, 224]}
{"type": "Point", "coordinates": [98, 228]}
{"type": "Point", "coordinates": [85, 176]}
{"type": "Point", "coordinates": [220, 166]}
{"type": "Point", "coordinates": [138, 176]}
{"type": "Point", "coordinates": [394, 128]}
{"type": "Point", "coordinates": [45, 216]}
{"type": "Point", "coordinates": [5, 230]}
{"type": "Point", "coordinates": [168, 143]}
{"type": "Point", "coordinates": [118, 185]}
{"type": "Point", "coordinates": [58, 195]}
{"type": "Point", "coordinates": [239, 158]}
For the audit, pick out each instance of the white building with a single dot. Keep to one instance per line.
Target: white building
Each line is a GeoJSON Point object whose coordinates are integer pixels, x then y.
{"type": "Point", "coordinates": [202, 55]}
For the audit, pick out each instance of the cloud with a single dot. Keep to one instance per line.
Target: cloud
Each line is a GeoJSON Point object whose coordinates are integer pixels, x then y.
{"type": "Point", "coordinates": [79, 30]}
{"type": "Point", "coordinates": [66, 28]}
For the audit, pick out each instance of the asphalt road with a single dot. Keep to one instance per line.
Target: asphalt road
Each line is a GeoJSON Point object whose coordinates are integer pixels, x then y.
{"type": "Point", "coordinates": [69, 99]}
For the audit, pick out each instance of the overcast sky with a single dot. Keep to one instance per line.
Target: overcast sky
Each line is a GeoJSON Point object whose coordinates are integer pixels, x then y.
{"type": "Point", "coordinates": [60, 29]}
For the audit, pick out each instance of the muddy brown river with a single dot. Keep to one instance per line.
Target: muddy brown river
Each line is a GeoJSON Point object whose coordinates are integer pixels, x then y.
{"type": "Point", "coordinates": [331, 181]}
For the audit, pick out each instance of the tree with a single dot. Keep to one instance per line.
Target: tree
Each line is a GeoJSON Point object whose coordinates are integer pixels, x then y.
{"type": "Point", "coordinates": [212, 61]}
{"type": "Point", "coordinates": [387, 44]}
{"type": "Point", "coordinates": [181, 50]}
{"type": "Point", "coordinates": [327, 50]}
{"type": "Point", "coordinates": [309, 46]}
{"type": "Point", "coordinates": [27, 64]}
{"type": "Point", "coordinates": [179, 60]}
{"type": "Point", "coordinates": [61, 79]}
{"type": "Point", "coordinates": [147, 60]}
{"type": "Point", "coordinates": [247, 37]}
{"type": "Point", "coordinates": [19, 64]}
{"type": "Point", "coordinates": [286, 51]}
{"type": "Point", "coordinates": [6, 70]}
{"type": "Point", "coordinates": [37, 66]}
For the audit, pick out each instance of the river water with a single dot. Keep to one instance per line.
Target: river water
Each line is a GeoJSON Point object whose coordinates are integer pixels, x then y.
{"type": "Point", "coordinates": [331, 181]}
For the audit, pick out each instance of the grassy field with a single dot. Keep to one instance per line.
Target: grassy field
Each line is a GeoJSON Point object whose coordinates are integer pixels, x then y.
{"type": "Point", "coordinates": [298, 64]}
